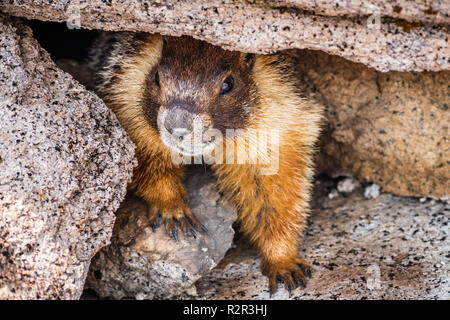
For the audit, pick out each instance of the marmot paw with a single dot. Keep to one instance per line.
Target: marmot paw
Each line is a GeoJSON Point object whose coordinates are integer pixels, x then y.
{"type": "Point", "coordinates": [175, 219]}
{"type": "Point", "coordinates": [292, 271]}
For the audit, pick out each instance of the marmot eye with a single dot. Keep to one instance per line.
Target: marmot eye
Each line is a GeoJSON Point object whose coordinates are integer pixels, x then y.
{"type": "Point", "coordinates": [157, 78]}
{"type": "Point", "coordinates": [248, 58]}
{"type": "Point", "coordinates": [227, 85]}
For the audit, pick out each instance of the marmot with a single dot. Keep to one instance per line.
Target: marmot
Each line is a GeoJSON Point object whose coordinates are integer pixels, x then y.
{"type": "Point", "coordinates": [157, 85]}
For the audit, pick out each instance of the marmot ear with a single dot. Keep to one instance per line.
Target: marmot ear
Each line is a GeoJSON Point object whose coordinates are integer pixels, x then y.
{"type": "Point", "coordinates": [248, 59]}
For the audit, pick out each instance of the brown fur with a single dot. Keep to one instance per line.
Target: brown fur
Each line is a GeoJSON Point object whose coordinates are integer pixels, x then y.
{"type": "Point", "coordinates": [272, 208]}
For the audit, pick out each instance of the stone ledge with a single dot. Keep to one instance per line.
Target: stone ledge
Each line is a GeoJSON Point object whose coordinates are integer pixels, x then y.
{"type": "Point", "coordinates": [256, 27]}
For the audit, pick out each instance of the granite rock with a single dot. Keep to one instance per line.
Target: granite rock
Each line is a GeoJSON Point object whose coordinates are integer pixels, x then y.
{"type": "Point", "coordinates": [414, 11]}
{"type": "Point", "coordinates": [388, 128]}
{"type": "Point", "coordinates": [142, 263]}
{"type": "Point", "coordinates": [372, 191]}
{"type": "Point", "coordinates": [347, 29]}
{"type": "Point", "coordinates": [384, 248]}
{"type": "Point", "coordinates": [64, 166]}
{"type": "Point", "coordinates": [347, 185]}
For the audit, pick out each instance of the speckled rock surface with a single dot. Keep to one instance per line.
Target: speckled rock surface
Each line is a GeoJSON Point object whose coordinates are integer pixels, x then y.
{"type": "Point", "coordinates": [64, 166]}
{"type": "Point", "coordinates": [437, 11]}
{"type": "Point", "coordinates": [384, 248]}
{"type": "Point", "coordinates": [389, 128]}
{"type": "Point", "coordinates": [268, 26]}
{"type": "Point", "coordinates": [145, 264]}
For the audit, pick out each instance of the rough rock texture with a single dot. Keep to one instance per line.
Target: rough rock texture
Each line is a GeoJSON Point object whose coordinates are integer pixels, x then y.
{"type": "Point", "coordinates": [384, 248]}
{"type": "Point", "coordinates": [64, 166]}
{"type": "Point", "coordinates": [389, 128]}
{"type": "Point", "coordinates": [268, 26]}
{"type": "Point", "coordinates": [417, 10]}
{"type": "Point", "coordinates": [145, 264]}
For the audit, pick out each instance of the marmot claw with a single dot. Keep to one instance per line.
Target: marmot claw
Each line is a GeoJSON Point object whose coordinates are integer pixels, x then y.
{"type": "Point", "coordinates": [177, 219]}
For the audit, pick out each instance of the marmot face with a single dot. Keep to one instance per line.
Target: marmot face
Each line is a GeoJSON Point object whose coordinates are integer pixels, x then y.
{"type": "Point", "coordinates": [196, 87]}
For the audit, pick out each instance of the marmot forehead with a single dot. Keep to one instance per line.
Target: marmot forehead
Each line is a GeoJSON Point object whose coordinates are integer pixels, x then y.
{"type": "Point", "coordinates": [187, 57]}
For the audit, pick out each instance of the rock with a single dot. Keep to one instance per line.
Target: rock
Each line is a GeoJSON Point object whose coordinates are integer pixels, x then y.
{"type": "Point", "coordinates": [145, 264]}
{"type": "Point", "coordinates": [64, 167]}
{"type": "Point", "coordinates": [372, 191]}
{"type": "Point", "coordinates": [387, 128]}
{"type": "Point", "coordinates": [333, 194]}
{"type": "Point", "coordinates": [347, 185]}
{"type": "Point", "coordinates": [338, 27]}
{"type": "Point", "coordinates": [384, 248]}
{"type": "Point", "coordinates": [419, 11]}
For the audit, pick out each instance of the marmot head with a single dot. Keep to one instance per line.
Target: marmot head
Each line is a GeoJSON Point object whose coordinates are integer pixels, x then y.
{"type": "Point", "coordinates": [196, 87]}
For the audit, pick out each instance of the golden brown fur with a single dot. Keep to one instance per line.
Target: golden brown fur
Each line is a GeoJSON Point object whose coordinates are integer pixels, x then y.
{"type": "Point", "coordinates": [272, 208]}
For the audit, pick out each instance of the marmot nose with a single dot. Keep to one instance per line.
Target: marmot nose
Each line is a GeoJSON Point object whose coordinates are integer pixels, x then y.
{"type": "Point", "coordinates": [179, 121]}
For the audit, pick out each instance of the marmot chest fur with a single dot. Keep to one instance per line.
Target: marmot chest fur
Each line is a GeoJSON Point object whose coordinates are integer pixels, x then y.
{"type": "Point", "coordinates": [181, 97]}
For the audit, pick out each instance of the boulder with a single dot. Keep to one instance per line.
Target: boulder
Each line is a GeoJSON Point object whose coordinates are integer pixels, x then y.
{"type": "Point", "coordinates": [142, 263]}
{"type": "Point", "coordinates": [64, 166]}
{"type": "Point", "coordinates": [389, 128]}
{"type": "Point", "coordinates": [373, 32]}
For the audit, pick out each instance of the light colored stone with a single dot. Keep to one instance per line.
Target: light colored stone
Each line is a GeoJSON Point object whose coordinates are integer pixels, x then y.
{"type": "Point", "coordinates": [391, 128]}
{"type": "Point", "coordinates": [145, 264]}
{"type": "Point", "coordinates": [333, 194]}
{"type": "Point", "coordinates": [384, 248]}
{"type": "Point", "coordinates": [372, 191]}
{"type": "Point", "coordinates": [347, 185]}
{"type": "Point", "coordinates": [64, 166]}
{"type": "Point", "coordinates": [267, 26]}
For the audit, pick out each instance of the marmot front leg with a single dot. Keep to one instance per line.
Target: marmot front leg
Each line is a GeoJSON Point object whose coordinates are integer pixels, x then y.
{"type": "Point", "coordinates": [162, 189]}
{"type": "Point", "coordinates": [272, 213]}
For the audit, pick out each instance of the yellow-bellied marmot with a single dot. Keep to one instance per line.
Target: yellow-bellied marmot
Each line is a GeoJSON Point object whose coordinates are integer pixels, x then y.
{"type": "Point", "coordinates": [161, 87]}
